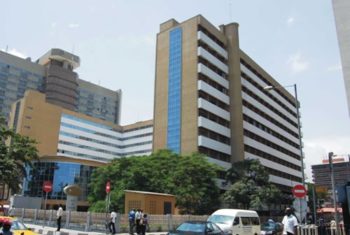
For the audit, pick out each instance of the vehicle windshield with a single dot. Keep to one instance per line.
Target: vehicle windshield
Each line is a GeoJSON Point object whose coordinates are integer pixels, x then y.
{"type": "Point", "coordinates": [268, 226]}
{"type": "Point", "coordinates": [17, 225]}
{"type": "Point", "coordinates": [221, 219]}
{"type": "Point", "coordinates": [191, 227]}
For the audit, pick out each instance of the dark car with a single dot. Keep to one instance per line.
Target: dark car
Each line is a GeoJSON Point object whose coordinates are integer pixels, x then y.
{"type": "Point", "coordinates": [197, 228]}
{"type": "Point", "coordinates": [271, 228]}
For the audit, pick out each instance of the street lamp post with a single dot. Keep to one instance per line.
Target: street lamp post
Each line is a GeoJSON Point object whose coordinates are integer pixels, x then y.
{"type": "Point", "coordinates": [299, 126]}
{"type": "Point", "coordinates": [330, 156]}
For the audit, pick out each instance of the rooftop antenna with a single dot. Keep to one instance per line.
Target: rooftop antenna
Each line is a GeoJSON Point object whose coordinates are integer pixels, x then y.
{"type": "Point", "coordinates": [230, 11]}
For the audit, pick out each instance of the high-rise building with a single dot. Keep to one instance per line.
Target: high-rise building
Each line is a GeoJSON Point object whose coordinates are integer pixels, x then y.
{"type": "Point", "coordinates": [321, 173]}
{"type": "Point", "coordinates": [72, 144]}
{"type": "Point", "coordinates": [53, 74]}
{"type": "Point", "coordinates": [210, 98]}
{"type": "Point", "coordinates": [341, 10]}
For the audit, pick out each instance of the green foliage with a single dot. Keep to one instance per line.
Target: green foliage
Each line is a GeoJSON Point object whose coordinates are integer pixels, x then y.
{"type": "Point", "coordinates": [190, 178]}
{"type": "Point", "coordinates": [15, 152]}
{"type": "Point", "coordinates": [250, 187]}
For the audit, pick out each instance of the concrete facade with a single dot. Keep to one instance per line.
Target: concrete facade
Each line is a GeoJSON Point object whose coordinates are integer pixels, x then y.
{"type": "Point", "coordinates": [53, 74]}
{"type": "Point", "coordinates": [210, 98]}
{"type": "Point", "coordinates": [341, 10]}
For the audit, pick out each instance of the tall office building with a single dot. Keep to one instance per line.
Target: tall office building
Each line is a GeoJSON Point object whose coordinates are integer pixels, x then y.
{"type": "Point", "coordinates": [72, 144]}
{"type": "Point", "coordinates": [341, 10]}
{"type": "Point", "coordinates": [210, 98]}
{"type": "Point", "coordinates": [53, 74]}
{"type": "Point", "coordinates": [321, 173]}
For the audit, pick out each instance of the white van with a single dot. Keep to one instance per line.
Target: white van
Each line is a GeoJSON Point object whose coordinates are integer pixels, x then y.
{"type": "Point", "coordinates": [237, 222]}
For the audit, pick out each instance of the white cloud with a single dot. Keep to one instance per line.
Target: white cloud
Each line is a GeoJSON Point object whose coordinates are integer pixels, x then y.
{"type": "Point", "coordinates": [14, 52]}
{"type": "Point", "coordinates": [73, 25]}
{"type": "Point", "coordinates": [53, 25]}
{"type": "Point", "coordinates": [334, 68]}
{"type": "Point", "coordinates": [317, 150]}
{"type": "Point", "coordinates": [290, 21]}
{"type": "Point", "coordinates": [297, 63]}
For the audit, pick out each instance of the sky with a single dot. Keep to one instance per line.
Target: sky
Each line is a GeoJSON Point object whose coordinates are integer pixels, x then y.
{"type": "Point", "coordinates": [294, 41]}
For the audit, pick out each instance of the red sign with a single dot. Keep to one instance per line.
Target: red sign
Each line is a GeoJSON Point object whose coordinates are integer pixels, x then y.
{"type": "Point", "coordinates": [299, 191]}
{"type": "Point", "coordinates": [108, 186]}
{"type": "Point", "coordinates": [47, 186]}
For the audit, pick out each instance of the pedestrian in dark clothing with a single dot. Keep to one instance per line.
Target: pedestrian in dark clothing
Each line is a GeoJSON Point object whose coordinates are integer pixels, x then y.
{"type": "Point", "coordinates": [144, 224]}
{"type": "Point", "coordinates": [131, 221]}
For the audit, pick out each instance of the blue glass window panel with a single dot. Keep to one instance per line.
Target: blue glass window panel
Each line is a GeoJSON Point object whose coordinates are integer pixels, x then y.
{"type": "Point", "coordinates": [174, 90]}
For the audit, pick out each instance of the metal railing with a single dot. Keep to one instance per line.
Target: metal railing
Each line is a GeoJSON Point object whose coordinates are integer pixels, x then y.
{"type": "Point", "coordinates": [89, 221]}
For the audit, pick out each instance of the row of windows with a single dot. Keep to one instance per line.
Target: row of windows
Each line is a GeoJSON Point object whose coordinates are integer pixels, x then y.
{"type": "Point", "coordinates": [213, 100]}
{"type": "Point", "coordinates": [212, 83]}
{"type": "Point", "coordinates": [211, 36]}
{"type": "Point", "coordinates": [283, 174]}
{"type": "Point", "coordinates": [213, 117]}
{"type": "Point", "coordinates": [267, 156]}
{"type": "Point", "coordinates": [89, 147]}
{"type": "Point", "coordinates": [266, 81]}
{"type": "Point", "coordinates": [215, 154]}
{"type": "Point", "coordinates": [269, 130]}
{"type": "Point", "coordinates": [211, 51]}
{"type": "Point", "coordinates": [103, 142]}
{"type": "Point", "coordinates": [270, 144]}
{"type": "Point", "coordinates": [267, 93]}
{"type": "Point", "coordinates": [213, 135]}
{"type": "Point", "coordinates": [71, 117]}
{"type": "Point", "coordinates": [82, 155]}
{"type": "Point", "coordinates": [269, 106]}
{"type": "Point", "coordinates": [212, 67]}
{"type": "Point", "coordinates": [269, 118]}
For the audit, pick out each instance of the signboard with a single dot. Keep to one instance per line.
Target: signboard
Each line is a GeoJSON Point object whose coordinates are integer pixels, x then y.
{"type": "Point", "coordinates": [299, 191]}
{"type": "Point", "coordinates": [47, 186]}
{"type": "Point", "coordinates": [300, 207]}
{"type": "Point", "coordinates": [108, 186]}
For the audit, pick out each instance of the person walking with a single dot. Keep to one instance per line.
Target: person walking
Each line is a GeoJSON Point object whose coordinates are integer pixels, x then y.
{"type": "Point", "coordinates": [138, 216]}
{"type": "Point", "coordinates": [289, 222]}
{"type": "Point", "coordinates": [113, 218]}
{"type": "Point", "coordinates": [131, 221]}
{"type": "Point", "coordinates": [143, 224]}
{"type": "Point", "coordinates": [59, 217]}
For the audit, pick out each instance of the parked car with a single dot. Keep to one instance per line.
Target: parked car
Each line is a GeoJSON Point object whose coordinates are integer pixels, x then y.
{"type": "Point", "coordinates": [197, 228]}
{"type": "Point", "coordinates": [271, 228]}
{"type": "Point", "coordinates": [17, 227]}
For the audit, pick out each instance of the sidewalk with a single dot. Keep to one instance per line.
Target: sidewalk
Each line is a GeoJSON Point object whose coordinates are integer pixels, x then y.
{"type": "Point", "coordinates": [52, 231]}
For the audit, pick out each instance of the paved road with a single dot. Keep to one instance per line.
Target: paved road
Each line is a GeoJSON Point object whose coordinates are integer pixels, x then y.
{"type": "Point", "coordinates": [52, 231]}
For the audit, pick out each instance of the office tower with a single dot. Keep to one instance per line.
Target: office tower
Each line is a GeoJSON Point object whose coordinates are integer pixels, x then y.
{"type": "Point", "coordinates": [53, 74]}
{"type": "Point", "coordinates": [341, 10]}
{"type": "Point", "coordinates": [210, 98]}
{"type": "Point", "coordinates": [72, 144]}
{"type": "Point", "coordinates": [321, 173]}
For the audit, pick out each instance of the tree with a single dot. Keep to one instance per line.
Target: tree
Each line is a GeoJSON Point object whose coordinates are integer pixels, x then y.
{"type": "Point", "coordinates": [16, 151]}
{"type": "Point", "coordinates": [250, 187]}
{"type": "Point", "coordinates": [189, 178]}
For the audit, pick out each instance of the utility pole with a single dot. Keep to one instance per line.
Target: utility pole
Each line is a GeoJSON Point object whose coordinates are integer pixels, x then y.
{"type": "Point", "coordinates": [330, 156]}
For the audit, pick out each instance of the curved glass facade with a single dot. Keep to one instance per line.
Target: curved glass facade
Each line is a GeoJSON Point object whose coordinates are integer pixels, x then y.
{"type": "Point", "coordinates": [60, 174]}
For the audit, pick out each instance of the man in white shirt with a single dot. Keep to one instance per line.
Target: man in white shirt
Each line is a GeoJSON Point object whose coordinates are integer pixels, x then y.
{"type": "Point", "coordinates": [112, 222]}
{"type": "Point", "coordinates": [289, 222]}
{"type": "Point", "coordinates": [59, 217]}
